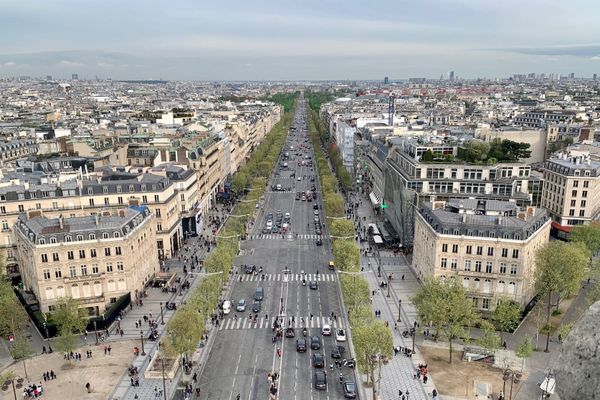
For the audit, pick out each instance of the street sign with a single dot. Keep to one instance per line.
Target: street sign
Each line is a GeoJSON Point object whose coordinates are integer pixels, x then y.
{"type": "Point", "coordinates": [383, 205]}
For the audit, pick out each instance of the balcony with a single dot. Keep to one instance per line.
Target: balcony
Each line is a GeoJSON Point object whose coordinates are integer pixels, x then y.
{"type": "Point", "coordinates": [83, 278]}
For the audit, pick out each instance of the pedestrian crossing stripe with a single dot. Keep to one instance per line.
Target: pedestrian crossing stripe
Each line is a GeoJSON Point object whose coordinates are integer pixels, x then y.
{"type": "Point", "coordinates": [243, 322]}
{"type": "Point", "coordinates": [290, 278]}
{"type": "Point", "coordinates": [275, 236]}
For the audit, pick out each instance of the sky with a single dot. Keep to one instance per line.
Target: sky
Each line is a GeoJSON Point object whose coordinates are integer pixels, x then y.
{"type": "Point", "coordinates": [297, 39]}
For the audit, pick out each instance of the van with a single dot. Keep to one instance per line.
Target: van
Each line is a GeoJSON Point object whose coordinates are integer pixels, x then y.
{"type": "Point", "coordinates": [226, 307]}
{"type": "Point", "coordinates": [259, 294]}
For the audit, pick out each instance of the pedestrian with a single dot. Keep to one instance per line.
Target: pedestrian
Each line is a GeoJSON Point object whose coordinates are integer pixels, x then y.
{"type": "Point", "coordinates": [109, 349]}
{"type": "Point", "coordinates": [88, 387]}
{"type": "Point", "coordinates": [434, 394]}
{"type": "Point", "coordinates": [45, 375]}
{"type": "Point", "coordinates": [105, 350]}
{"type": "Point", "coordinates": [195, 377]}
{"type": "Point", "coordinates": [52, 374]}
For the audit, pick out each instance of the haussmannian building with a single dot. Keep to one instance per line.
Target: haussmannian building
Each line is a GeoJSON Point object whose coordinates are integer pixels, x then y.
{"type": "Point", "coordinates": [489, 246]}
{"type": "Point", "coordinates": [94, 259]}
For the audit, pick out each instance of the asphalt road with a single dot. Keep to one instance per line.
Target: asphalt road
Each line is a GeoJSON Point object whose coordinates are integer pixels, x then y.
{"type": "Point", "coordinates": [243, 352]}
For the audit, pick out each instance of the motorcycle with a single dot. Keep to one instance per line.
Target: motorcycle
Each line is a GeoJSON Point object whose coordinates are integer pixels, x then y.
{"type": "Point", "coordinates": [303, 282]}
{"type": "Point", "coordinates": [304, 332]}
{"type": "Point", "coordinates": [349, 362]}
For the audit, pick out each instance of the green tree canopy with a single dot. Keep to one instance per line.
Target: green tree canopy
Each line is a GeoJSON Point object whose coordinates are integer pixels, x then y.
{"type": "Point", "coordinates": [346, 255]}
{"type": "Point", "coordinates": [184, 331]}
{"type": "Point", "coordinates": [524, 350]}
{"type": "Point", "coordinates": [342, 228]}
{"type": "Point", "coordinates": [372, 341]}
{"type": "Point", "coordinates": [334, 205]}
{"type": "Point", "coordinates": [506, 315]}
{"type": "Point", "coordinates": [490, 340]}
{"type": "Point", "coordinates": [446, 305]}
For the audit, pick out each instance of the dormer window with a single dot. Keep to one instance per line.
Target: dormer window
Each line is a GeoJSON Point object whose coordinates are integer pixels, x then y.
{"type": "Point", "coordinates": [105, 190]}
{"type": "Point", "coordinates": [105, 235]}
{"type": "Point", "coordinates": [117, 234]}
{"type": "Point", "coordinates": [68, 238]}
{"type": "Point", "coordinates": [52, 240]}
{"type": "Point", "coordinates": [79, 238]}
{"type": "Point", "coordinates": [131, 188]}
{"type": "Point", "coordinates": [119, 189]}
{"type": "Point", "coordinates": [92, 236]}
{"type": "Point", "coordinates": [90, 191]}
{"type": "Point", "coordinates": [42, 241]}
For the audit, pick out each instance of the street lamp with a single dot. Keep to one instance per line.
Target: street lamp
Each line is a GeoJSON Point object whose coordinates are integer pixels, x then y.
{"type": "Point", "coordinates": [96, 331]}
{"type": "Point", "coordinates": [513, 376]}
{"type": "Point", "coordinates": [399, 310]}
{"type": "Point", "coordinates": [142, 337]}
{"type": "Point", "coordinates": [162, 320]}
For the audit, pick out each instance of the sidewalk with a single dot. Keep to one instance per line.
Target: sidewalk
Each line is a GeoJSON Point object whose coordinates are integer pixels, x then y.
{"type": "Point", "coordinates": [151, 308]}
{"type": "Point", "coordinates": [398, 374]}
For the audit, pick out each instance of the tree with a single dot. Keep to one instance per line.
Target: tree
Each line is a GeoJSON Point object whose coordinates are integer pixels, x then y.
{"type": "Point", "coordinates": [537, 315]}
{"type": "Point", "coordinates": [514, 151]}
{"type": "Point", "coordinates": [334, 205]}
{"type": "Point", "coordinates": [490, 340]}
{"type": "Point", "coordinates": [355, 290]}
{"type": "Point", "coordinates": [342, 228]}
{"type": "Point", "coordinates": [506, 315]}
{"type": "Point", "coordinates": [478, 150]}
{"type": "Point", "coordinates": [372, 341]}
{"type": "Point", "coordinates": [329, 184]}
{"type": "Point", "coordinates": [20, 350]}
{"type": "Point", "coordinates": [524, 350]}
{"type": "Point", "coordinates": [240, 181]}
{"type": "Point", "coordinates": [589, 235]}
{"type": "Point", "coordinates": [428, 156]}
{"type": "Point", "coordinates": [446, 305]}
{"type": "Point", "coordinates": [184, 331]}
{"type": "Point", "coordinates": [560, 268]}
{"type": "Point", "coordinates": [70, 321]}
{"type": "Point", "coordinates": [12, 315]}
{"type": "Point", "coordinates": [346, 255]}
{"type": "Point", "coordinates": [564, 330]}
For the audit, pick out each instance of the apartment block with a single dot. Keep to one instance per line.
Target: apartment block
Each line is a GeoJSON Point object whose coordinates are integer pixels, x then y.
{"type": "Point", "coordinates": [94, 259]}
{"type": "Point", "coordinates": [489, 246]}
{"type": "Point", "coordinates": [571, 191]}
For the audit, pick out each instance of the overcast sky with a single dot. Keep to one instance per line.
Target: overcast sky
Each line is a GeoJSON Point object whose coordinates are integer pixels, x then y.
{"type": "Point", "coordinates": [298, 39]}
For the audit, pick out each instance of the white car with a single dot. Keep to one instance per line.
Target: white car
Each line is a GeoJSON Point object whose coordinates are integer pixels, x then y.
{"type": "Point", "coordinates": [326, 330]}
{"type": "Point", "coordinates": [299, 178]}
{"type": "Point", "coordinates": [226, 307]}
{"type": "Point", "coordinates": [340, 335]}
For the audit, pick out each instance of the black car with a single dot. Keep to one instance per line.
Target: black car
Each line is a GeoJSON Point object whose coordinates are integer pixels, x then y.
{"type": "Point", "coordinates": [319, 242]}
{"type": "Point", "coordinates": [349, 388]}
{"type": "Point", "coordinates": [320, 380]}
{"type": "Point", "coordinates": [249, 269]}
{"type": "Point", "coordinates": [256, 306]}
{"type": "Point", "coordinates": [301, 345]}
{"type": "Point", "coordinates": [289, 333]}
{"type": "Point", "coordinates": [338, 352]}
{"type": "Point", "coordinates": [315, 342]}
{"type": "Point", "coordinates": [313, 285]}
{"type": "Point", "coordinates": [318, 360]}
{"type": "Point", "coordinates": [315, 206]}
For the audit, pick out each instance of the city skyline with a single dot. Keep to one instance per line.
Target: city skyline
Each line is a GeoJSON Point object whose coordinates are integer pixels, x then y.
{"type": "Point", "coordinates": [266, 40]}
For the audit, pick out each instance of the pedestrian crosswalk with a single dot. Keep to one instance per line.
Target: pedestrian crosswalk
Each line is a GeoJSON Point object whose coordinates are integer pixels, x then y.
{"type": "Point", "coordinates": [285, 236]}
{"type": "Point", "coordinates": [243, 322]}
{"type": "Point", "coordinates": [290, 277]}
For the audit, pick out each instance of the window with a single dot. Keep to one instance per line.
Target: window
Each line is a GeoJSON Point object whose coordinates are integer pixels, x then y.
{"type": "Point", "coordinates": [156, 198]}
{"type": "Point", "coordinates": [109, 267]}
{"type": "Point", "coordinates": [79, 238]}
{"type": "Point", "coordinates": [453, 263]}
{"type": "Point", "coordinates": [476, 283]}
{"type": "Point", "coordinates": [70, 255]}
{"type": "Point", "coordinates": [90, 191]}
{"type": "Point", "coordinates": [4, 224]}
{"type": "Point", "coordinates": [571, 212]}
{"type": "Point", "coordinates": [159, 227]}
{"type": "Point", "coordinates": [2, 210]}
{"type": "Point", "coordinates": [118, 250]}
{"type": "Point", "coordinates": [55, 257]}
{"type": "Point", "coordinates": [466, 283]}
{"type": "Point", "coordinates": [455, 248]}
{"type": "Point", "coordinates": [21, 208]}
{"type": "Point", "coordinates": [52, 240]}
{"type": "Point", "coordinates": [445, 248]}
{"type": "Point", "coordinates": [513, 269]}
{"type": "Point", "coordinates": [158, 213]}
{"type": "Point", "coordinates": [490, 251]}
{"type": "Point", "coordinates": [73, 271]}
{"type": "Point", "coordinates": [81, 253]}
{"type": "Point", "coordinates": [582, 213]}
{"type": "Point", "coordinates": [584, 194]}
{"type": "Point", "coordinates": [117, 234]}
{"type": "Point", "coordinates": [443, 262]}
{"type": "Point", "coordinates": [573, 203]}
{"type": "Point", "coordinates": [583, 203]}
{"type": "Point", "coordinates": [120, 200]}
{"type": "Point", "coordinates": [91, 202]}
{"type": "Point", "coordinates": [57, 273]}
{"type": "Point", "coordinates": [92, 236]}
{"type": "Point", "coordinates": [84, 270]}
{"type": "Point", "coordinates": [120, 266]}
{"type": "Point", "coordinates": [479, 250]}
{"type": "Point", "coordinates": [145, 199]}
{"type": "Point", "coordinates": [485, 304]}
{"type": "Point", "coordinates": [95, 268]}
{"type": "Point", "coordinates": [477, 266]}
{"type": "Point", "coordinates": [574, 193]}
{"type": "Point", "coordinates": [467, 265]}
{"type": "Point", "coordinates": [106, 201]}
{"type": "Point", "coordinates": [500, 287]}
{"type": "Point", "coordinates": [105, 235]}
{"type": "Point", "coordinates": [119, 189]}
{"type": "Point", "coordinates": [502, 268]}
{"type": "Point", "coordinates": [107, 251]}
{"type": "Point", "coordinates": [55, 205]}
{"type": "Point", "coordinates": [489, 267]}
{"type": "Point", "coordinates": [586, 184]}
{"type": "Point", "coordinates": [68, 238]}
{"type": "Point", "coordinates": [45, 258]}
{"type": "Point", "coordinates": [93, 253]}
{"type": "Point", "coordinates": [105, 190]}
{"type": "Point", "coordinates": [515, 253]}
{"type": "Point", "coordinates": [469, 249]}
{"type": "Point", "coordinates": [504, 252]}
{"type": "Point", "coordinates": [131, 188]}
{"type": "Point", "coordinates": [512, 287]}
{"type": "Point", "coordinates": [46, 274]}
{"type": "Point", "coordinates": [575, 184]}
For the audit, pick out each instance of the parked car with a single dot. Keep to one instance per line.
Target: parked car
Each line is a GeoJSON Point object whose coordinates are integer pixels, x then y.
{"type": "Point", "coordinates": [340, 335]}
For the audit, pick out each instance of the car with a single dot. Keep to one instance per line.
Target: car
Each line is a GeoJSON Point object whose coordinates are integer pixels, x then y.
{"type": "Point", "coordinates": [249, 269]}
{"type": "Point", "coordinates": [318, 360]}
{"type": "Point", "coordinates": [275, 229]}
{"type": "Point", "coordinates": [316, 218]}
{"type": "Point", "coordinates": [241, 305]}
{"type": "Point", "coordinates": [319, 242]}
{"type": "Point", "coordinates": [326, 330]}
{"type": "Point", "coordinates": [320, 380]}
{"type": "Point", "coordinates": [338, 352]}
{"type": "Point", "coordinates": [301, 345]}
{"type": "Point", "coordinates": [340, 335]}
{"type": "Point", "coordinates": [256, 306]}
{"type": "Point", "coordinates": [313, 285]}
{"type": "Point", "coordinates": [312, 178]}
{"type": "Point", "coordinates": [303, 198]}
{"type": "Point", "coordinates": [316, 213]}
{"type": "Point", "coordinates": [299, 178]}
{"type": "Point", "coordinates": [226, 307]}
{"type": "Point", "coordinates": [289, 333]}
{"type": "Point", "coordinates": [287, 215]}
{"type": "Point", "coordinates": [315, 206]}
{"type": "Point", "coordinates": [315, 342]}
{"type": "Point", "coordinates": [349, 388]}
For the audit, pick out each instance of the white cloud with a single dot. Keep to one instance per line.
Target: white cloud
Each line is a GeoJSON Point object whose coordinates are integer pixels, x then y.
{"type": "Point", "coordinates": [596, 58]}
{"type": "Point", "coordinates": [69, 64]}
{"type": "Point", "coordinates": [106, 65]}
{"type": "Point", "coordinates": [10, 64]}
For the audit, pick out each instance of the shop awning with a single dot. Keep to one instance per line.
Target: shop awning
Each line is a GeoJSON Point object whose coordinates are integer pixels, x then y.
{"type": "Point", "coordinates": [560, 227]}
{"type": "Point", "coordinates": [377, 239]}
{"type": "Point", "coordinates": [374, 199]}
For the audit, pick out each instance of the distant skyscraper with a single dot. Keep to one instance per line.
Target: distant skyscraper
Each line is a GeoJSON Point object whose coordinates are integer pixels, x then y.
{"type": "Point", "coordinates": [595, 77]}
{"type": "Point", "coordinates": [48, 77]}
{"type": "Point", "coordinates": [572, 75]}
{"type": "Point", "coordinates": [74, 77]}
{"type": "Point", "coordinates": [451, 75]}
{"type": "Point", "coordinates": [386, 80]}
